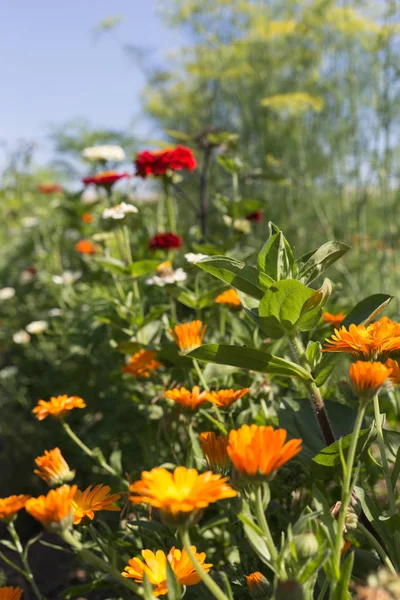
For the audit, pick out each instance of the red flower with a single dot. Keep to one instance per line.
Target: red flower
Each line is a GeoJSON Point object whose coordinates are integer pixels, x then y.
{"type": "Point", "coordinates": [255, 216]}
{"type": "Point", "coordinates": [106, 178]}
{"type": "Point", "coordinates": [49, 188]}
{"type": "Point", "coordinates": [165, 241]}
{"type": "Point", "coordinates": [159, 162]}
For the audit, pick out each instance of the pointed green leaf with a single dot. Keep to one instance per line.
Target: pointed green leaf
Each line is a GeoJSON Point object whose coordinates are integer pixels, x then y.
{"type": "Point", "coordinates": [314, 263]}
{"type": "Point", "coordinates": [329, 458]}
{"type": "Point", "coordinates": [173, 586]}
{"type": "Point", "coordinates": [143, 267]}
{"type": "Point", "coordinates": [276, 257]}
{"type": "Point", "coordinates": [326, 366]}
{"type": "Point", "coordinates": [113, 265]}
{"type": "Point", "coordinates": [366, 310]}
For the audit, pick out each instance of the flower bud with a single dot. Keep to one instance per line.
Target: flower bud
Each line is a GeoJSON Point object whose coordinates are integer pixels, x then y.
{"type": "Point", "coordinates": [306, 545]}
{"type": "Point", "coordinates": [289, 590]}
{"type": "Point", "coordinates": [259, 587]}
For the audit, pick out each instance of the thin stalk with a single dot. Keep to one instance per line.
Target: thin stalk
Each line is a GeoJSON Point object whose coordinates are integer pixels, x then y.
{"type": "Point", "coordinates": [382, 450]}
{"type": "Point", "coordinates": [324, 589]}
{"type": "Point", "coordinates": [170, 207]}
{"type": "Point", "coordinates": [203, 192]}
{"type": "Point", "coordinates": [13, 565]}
{"type": "Point", "coordinates": [380, 550]}
{"type": "Point", "coordinates": [28, 573]}
{"type": "Point", "coordinates": [263, 524]}
{"type": "Point", "coordinates": [205, 577]}
{"type": "Point", "coordinates": [201, 376]}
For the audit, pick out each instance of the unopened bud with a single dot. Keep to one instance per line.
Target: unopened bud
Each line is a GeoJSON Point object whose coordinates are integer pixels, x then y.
{"type": "Point", "coordinates": [306, 545]}
{"type": "Point", "coordinates": [289, 590]}
{"type": "Point", "coordinates": [258, 585]}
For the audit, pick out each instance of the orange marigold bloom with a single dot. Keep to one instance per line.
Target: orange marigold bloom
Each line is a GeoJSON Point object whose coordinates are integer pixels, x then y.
{"type": "Point", "coordinates": [87, 217]}
{"type": "Point", "coordinates": [189, 335]}
{"type": "Point", "coordinates": [84, 504]}
{"type": "Point", "coordinates": [10, 593]}
{"type": "Point", "coordinates": [179, 495]}
{"type": "Point", "coordinates": [394, 366]}
{"type": "Point", "coordinates": [225, 398]}
{"type": "Point", "coordinates": [154, 566]}
{"type": "Point", "coordinates": [331, 319]}
{"type": "Point", "coordinates": [186, 398]}
{"type": "Point", "coordinates": [373, 342]}
{"type": "Point", "coordinates": [214, 450]}
{"type": "Point", "coordinates": [11, 505]}
{"type": "Point", "coordinates": [54, 511]}
{"type": "Point", "coordinates": [260, 451]}
{"type": "Point", "coordinates": [53, 468]}
{"type": "Point", "coordinates": [367, 377]}
{"type": "Point", "coordinates": [141, 364]}
{"type": "Point", "coordinates": [230, 298]}
{"type": "Point", "coordinates": [57, 406]}
{"type": "Point", "coordinates": [258, 585]}
{"type": "Point", "coordinates": [85, 247]}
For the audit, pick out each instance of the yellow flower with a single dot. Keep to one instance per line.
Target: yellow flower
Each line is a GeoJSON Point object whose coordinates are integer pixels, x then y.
{"type": "Point", "coordinates": [258, 452]}
{"type": "Point", "coordinates": [57, 406]}
{"type": "Point", "coordinates": [141, 364]}
{"type": "Point", "coordinates": [53, 468]}
{"type": "Point", "coordinates": [54, 511]}
{"type": "Point", "coordinates": [214, 450]}
{"type": "Point", "coordinates": [186, 398]}
{"type": "Point", "coordinates": [225, 398]}
{"type": "Point", "coordinates": [367, 377]}
{"type": "Point", "coordinates": [180, 495]}
{"type": "Point", "coordinates": [189, 335]}
{"type": "Point", "coordinates": [11, 505]}
{"type": "Point", "coordinates": [84, 504]}
{"type": "Point", "coordinates": [373, 342]}
{"type": "Point", "coordinates": [154, 566]}
{"type": "Point", "coordinates": [230, 298]}
{"type": "Point", "coordinates": [334, 320]}
{"type": "Point", "coordinates": [10, 593]}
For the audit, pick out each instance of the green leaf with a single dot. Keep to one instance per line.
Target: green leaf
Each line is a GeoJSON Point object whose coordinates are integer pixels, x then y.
{"type": "Point", "coordinates": [238, 274]}
{"type": "Point", "coordinates": [86, 588]}
{"type": "Point", "coordinates": [113, 265]}
{"type": "Point", "coordinates": [329, 458]}
{"type": "Point", "coordinates": [342, 589]}
{"type": "Point", "coordinates": [173, 586]}
{"type": "Point", "coordinates": [178, 135]}
{"type": "Point", "coordinates": [143, 267]}
{"type": "Point", "coordinates": [314, 263]}
{"type": "Point", "coordinates": [147, 588]}
{"type": "Point", "coordinates": [276, 257]}
{"type": "Point", "coordinates": [367, 309]}
{"type": "Point", "coordinates": [392, 443]}
{"type": "Point", "coordinates": [231, 165]}
{"type": "Point", "coordinates": [313, 565]}
{"type": "Point", "coordinates": [254, 535]}
{"type": "Point", "coordinates": [246, 207]}
{"type": "Point", "coordinates": [326, 366]}
{"type": "Point", "coordinates": [249, 358]}
{"type": "Point", "coordinates": [128, 347]}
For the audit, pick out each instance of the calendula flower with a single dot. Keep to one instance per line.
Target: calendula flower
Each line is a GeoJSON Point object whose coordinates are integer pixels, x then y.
{"type": "Point", "coordinates": [87, 217]}
{"type": "Point", "coordinates": [225, 398]}
{"type": "Point", "coordinates": [11, 505]}
{"type": "Point", "coordinates": [258, 585]}
{"type": "Point", "coordinates": [258, 452]}
{"type": "Point", "coordinates": [189, 335]}
{"type": "Point", "coordinates": [49, 188]}
{"type": "Point", "coordinates": [165, 241]}
{"type": "Point", "coordinates": [57, 406]}
{"type": "Point", "coordinates": [180, 495]}
{"type": "Point", "coordinates": [119, 211]}
{"type": "Point", "coordinates": [21, 337]}
{"type": "Point", "coordinates": [105, 179]}
{"type": "Point", "coordinates": [368, 377]}
{"type": "Point", "coordinates": [85, 504]}
{"type": "Point", "coordinates": [373, 342]}
{"type": "Point", "coordinates": [162, 162]}
{"type": "Point", "coordinates": [395, 370]}
{"type": "Point", "coordinates": [7, 293]}
{"type": "Point", "coordinates": [10, 593]}
{"type": "Point", "coordinates": [193, 258]}
{"type": "Point", "coordinates": [104, 153]}
{"type": "Point", "coordinates": [154, 566]}
{"type": "Point", "coordinates": [67, 277]}
{"type": "Point", "coordinates": [230, 298]}
{"type": "Point", "coordinates": [85, 247]}
{"type": "Point", "coordinates": [53, 468]}
{"type": "Point", "coordinates": [141, 364]}
{"type": "Point", "coordinates": [37, 327]}
{"type": "Point", "coordinates": [331, 319]}
{"type": "Point", "coordinates": [214, 450]}
{"type": "Point", "coordinates": [255, 216]}
{"type": "Point", "coordinates": [186, 398]}
{"type": "Point", "coordinates": [54, 511]}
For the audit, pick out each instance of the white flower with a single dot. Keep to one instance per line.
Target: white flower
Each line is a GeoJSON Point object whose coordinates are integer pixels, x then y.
{"type": "Point", "coordinates": [89, 196]}
{"type": "Point", "coordinates": [106, 152]}
{"type": "Point", "coordinates": [29, 222]}
{"type": "Point", "coordinates": [37, 327]}
{"type": "Point", "coordinates": [119, 211]}
{"type": "Point", "coordinates": [55, 312]}
{"type": "Point", "coordinates": [7, 293]}
{"type": "Point", "coordinates": [193, 258]}
{"type": "Point", "coordinates": [9, 371]}
{"type": "Point", "coordinates": [67, 277]}
{"type": "Point", "coordinates": [21, 337]}
{"type": "Point", "coordinates": [167, 277]}
{"type": "Point", "coordinates": [241, 225]}
{"type": "Point", "coordinates": [26, 276]}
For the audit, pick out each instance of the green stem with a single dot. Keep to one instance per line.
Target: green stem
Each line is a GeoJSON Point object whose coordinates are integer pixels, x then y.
{"type": "Point", "coordinates": [324, 589]}
{"type": "Point", "coordinates": [201, 376]}
{"type": "Point", "coordinates": [28, 573]}
{"type": "Point", "coordinates": [170, 207]}
{"type": "Point", "coordinates": [13, 565]}
{"type": "Point", "coordinates": [205, 577]}
{"type": "Point", "coordinates": [385, 464]}
{"type": "Point", "coordinates": [263, 524]}
{"type": "Point", "coordinates": [217, 424]}
{"type": "Point", "coordinates": [374, 542]}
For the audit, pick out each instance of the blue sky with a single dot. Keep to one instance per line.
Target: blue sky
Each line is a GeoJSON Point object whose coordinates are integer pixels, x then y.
{"type": "Point", "coordinates": [53, 68]}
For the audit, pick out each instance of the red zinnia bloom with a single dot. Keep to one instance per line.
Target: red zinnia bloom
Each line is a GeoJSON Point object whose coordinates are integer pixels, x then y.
{"type": "Point", "coordinates": [159, 162]}
{"type": "Point", "coordinates": [165, 241]}
{"type": "Point", "coordinates": [105, 179]}
{"type": "Point", "coordinates": [49, 188]}
{"type": "Point", "coordinates": [255, 216]}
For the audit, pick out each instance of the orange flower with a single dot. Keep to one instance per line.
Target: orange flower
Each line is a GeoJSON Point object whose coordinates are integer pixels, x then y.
{"type": "Point", "coordinates": [57, 406]}
{"type": "Point", "coordinates": [105, 179]}
{"type": "Point", "coordinates": [85, 247]}
{"type": "Point", "coordinates": [394, 366]}
{"type": "Point", "coordinates": [189, 335]}
{"type": "Point", "coordinates": [260, 451]}
{"type": "Point", "coordinates": [225, 398]}
{"type": "Point", "coordinates": [367, 377]}
{"type": "Point", "coordinates": [141, 363]}
{"type": "Point", "coordinates": [214, 450]}
{"type": "Point", "coordinates": [87, 217]}
{"type": "Point", "coordinates": [49, 188]}
{"type": "Point", "coordinates": [368, 343]}
{"type": "Point", "coordinates": [10, 593]}
{"type": "Point", "coordinates": [84, 504]}
{"type": "Point", "coordinates": [53, 468]}
{"type": "Point", "coordinates": [180, 495]}
{"type": "Point", "coordinates": [154, 566]}
{"type": "Point", "coordinates": [331, 319]}
{"type": "Point", "coordinates": [11, 505]}
{"type": "Point", "coordinates": [230, 298]}
{"type": "Point", "coordinates": [54, 511]}
{"type": "Point", "coordinates": [258, 585]}
{"type": "Point", "coordinates": [186, 398]}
